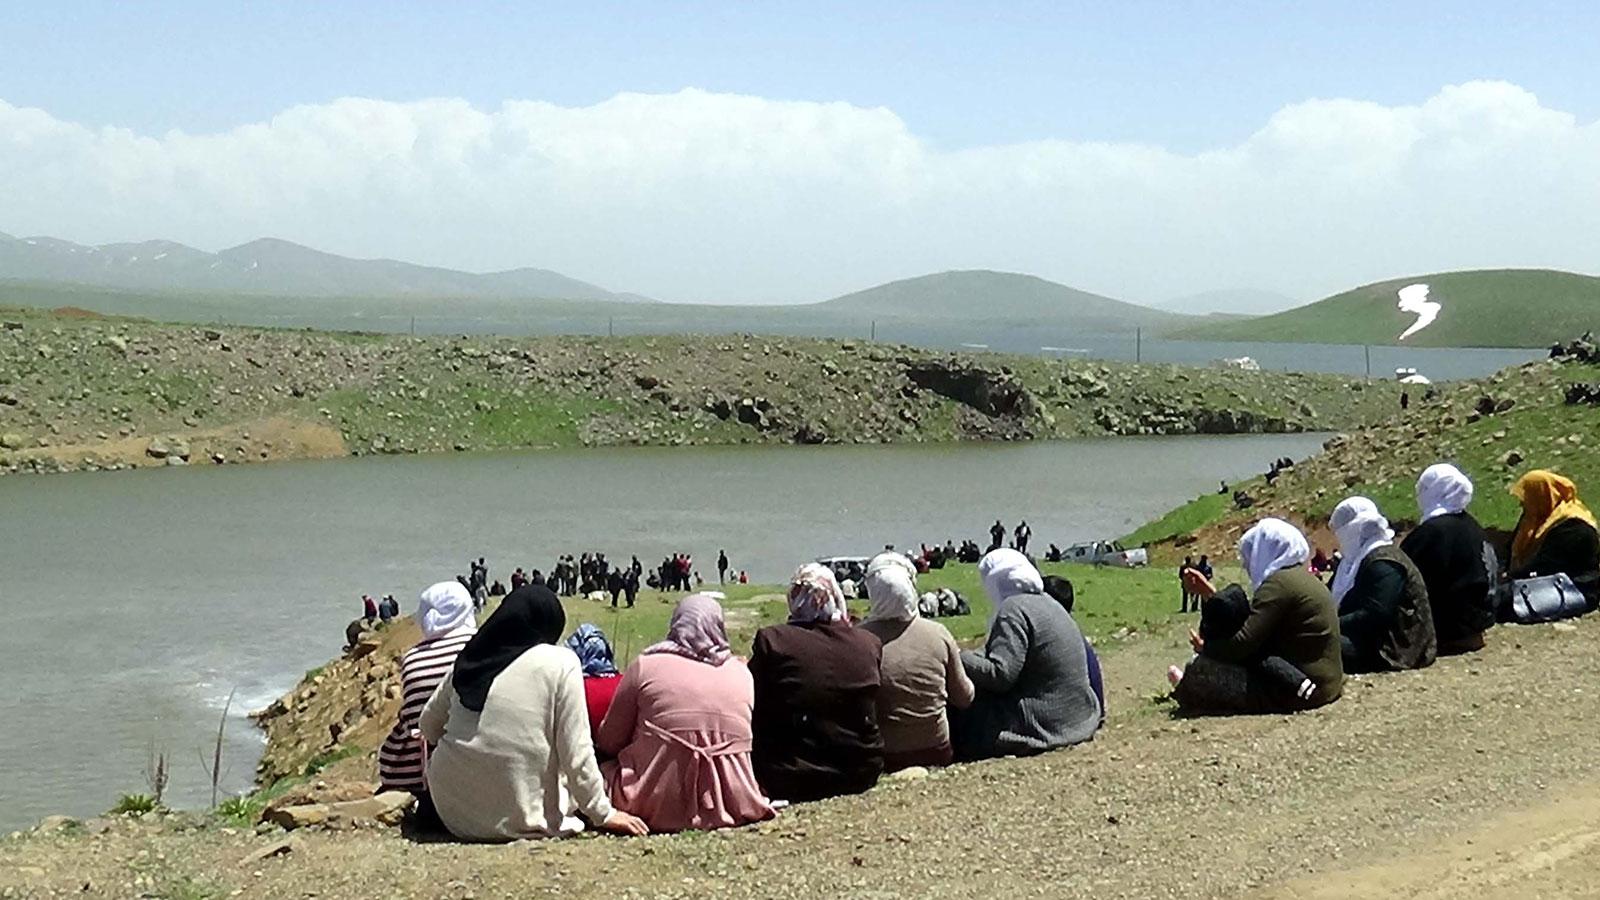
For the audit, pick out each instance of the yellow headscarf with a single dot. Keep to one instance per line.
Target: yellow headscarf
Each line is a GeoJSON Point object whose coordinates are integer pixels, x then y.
{"type": "Point", "coordinates": [1547, 499]}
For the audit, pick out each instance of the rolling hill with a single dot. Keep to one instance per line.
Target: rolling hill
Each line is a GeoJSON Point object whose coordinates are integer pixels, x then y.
{"type": "Point", "coordinates": [1486, 308]}
{"type": "Point", "coordinates": [998, 296]}
{"type": "Point", "coordinates": [269, 267]}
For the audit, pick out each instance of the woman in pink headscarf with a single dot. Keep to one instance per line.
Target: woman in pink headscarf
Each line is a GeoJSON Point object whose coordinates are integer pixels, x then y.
{"type": "Point", "coordinates": [816, 679]}
{"type": "Point", "coordinates": [679, 729]}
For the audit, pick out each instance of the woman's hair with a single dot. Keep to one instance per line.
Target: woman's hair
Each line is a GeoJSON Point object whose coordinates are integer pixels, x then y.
{"type": "Point", "coordinates": [1061, 589]}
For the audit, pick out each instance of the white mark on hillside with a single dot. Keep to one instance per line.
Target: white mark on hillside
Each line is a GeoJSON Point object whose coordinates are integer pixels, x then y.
{"type": "Point", "coordinates": [1414, 299]}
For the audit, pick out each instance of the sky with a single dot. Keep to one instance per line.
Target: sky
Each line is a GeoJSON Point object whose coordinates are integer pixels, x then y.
{"type": "Point", "coordinates": [774, 152]}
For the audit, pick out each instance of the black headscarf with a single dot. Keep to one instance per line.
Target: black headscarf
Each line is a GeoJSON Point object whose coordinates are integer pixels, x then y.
{"type": "Point", "coordinates": [528, 616]}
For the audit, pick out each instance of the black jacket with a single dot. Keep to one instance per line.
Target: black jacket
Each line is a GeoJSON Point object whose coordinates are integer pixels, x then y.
{"type": "Point", "coordinates": [1385, 623]}
{"type": "Point", "coordinates": [1449, 552]}
{"type": "Point", "coordinates": [1572, 547]}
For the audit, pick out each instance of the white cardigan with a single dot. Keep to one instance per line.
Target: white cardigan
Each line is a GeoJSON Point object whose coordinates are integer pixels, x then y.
{"type": "Point", "coordinates": [526, 763]}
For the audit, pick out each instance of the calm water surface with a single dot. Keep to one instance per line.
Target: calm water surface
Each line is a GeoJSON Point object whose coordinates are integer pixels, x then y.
{"type": "Point", "coordinates": [137, 600]}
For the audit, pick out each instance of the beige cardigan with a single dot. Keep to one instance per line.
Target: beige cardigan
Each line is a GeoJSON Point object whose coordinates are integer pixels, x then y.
{"type": "Point", "coordinates": [524, 765]}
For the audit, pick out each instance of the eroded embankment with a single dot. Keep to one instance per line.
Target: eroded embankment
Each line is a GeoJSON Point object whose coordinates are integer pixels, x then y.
{"type": "Point", "coordinates": [91, 393]}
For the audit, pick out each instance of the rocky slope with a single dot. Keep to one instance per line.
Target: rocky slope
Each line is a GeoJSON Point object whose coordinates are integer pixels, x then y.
{"type": "Point", "coordinates": [78, 391]}
{"type": "Point", "coordinates": [1543, 414]}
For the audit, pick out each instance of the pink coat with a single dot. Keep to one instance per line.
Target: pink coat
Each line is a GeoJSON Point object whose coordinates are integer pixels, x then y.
{"type": "Point", "coordinates": [679, 731]}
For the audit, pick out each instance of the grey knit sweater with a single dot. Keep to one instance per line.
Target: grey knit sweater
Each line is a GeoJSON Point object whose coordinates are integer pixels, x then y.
{"type": "Point", "coordinates": [1033, 682]}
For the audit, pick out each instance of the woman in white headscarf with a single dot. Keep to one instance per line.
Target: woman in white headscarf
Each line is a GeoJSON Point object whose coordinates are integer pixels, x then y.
{"type": "Point", "coordinates": [1290, 617]}
{"type": "Point", "coordinates": [816, 688]}
{"type": "Point", "coordinates": [1032, 675]}
{"type": "Point", "coordinates": [1457, 564]}
{"type": "Point", "coordinates": [1385, 623]}
{"type": "Point", "coordinates": [444, 613]}
{"type": "Point", "coordinates": [921, 673]}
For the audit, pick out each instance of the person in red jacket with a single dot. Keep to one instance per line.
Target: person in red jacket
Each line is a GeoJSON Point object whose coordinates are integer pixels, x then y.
{"type": "Point", "coordinates": [600, 675]}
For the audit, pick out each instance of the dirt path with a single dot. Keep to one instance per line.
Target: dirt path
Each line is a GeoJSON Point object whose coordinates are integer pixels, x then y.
{"type": "Point", "coordinates": [1375, 796]}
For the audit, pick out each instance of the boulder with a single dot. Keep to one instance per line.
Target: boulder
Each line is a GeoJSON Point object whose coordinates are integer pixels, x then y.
{"type": "Point", "coordinates": [12, 441]}
{"type": "Point", "coordinates": [291, 817]}
{"type": "Point", "coordinates": [167, 447]}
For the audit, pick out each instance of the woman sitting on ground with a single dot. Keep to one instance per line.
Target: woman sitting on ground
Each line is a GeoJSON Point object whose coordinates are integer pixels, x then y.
{"type": "Point", "coordinates": [514, 758]}
{"type": "Point", "coordinates": [1291, 617]}
{"type": "Point", "coordinates": [1032, 674]}
{"type": "Point", "coordinates": [1449, 548]}
{"type": "Point", "coordinates": [679, 729]}
{"type": "Point", "coordinates": [444, 613]}
{"type": "Point", "coordinates": [816, 686]}
{"type": "Point", "coordinates": [600, 676]}
{"type": "Point", "coordinates": [921, 672]}
{"type": "Point", "coordinates": [1062, 591]}
{"type": "Point", "coordinates": [1556, 533]}
{"type": "Point", "coordinates": [1385, 622]}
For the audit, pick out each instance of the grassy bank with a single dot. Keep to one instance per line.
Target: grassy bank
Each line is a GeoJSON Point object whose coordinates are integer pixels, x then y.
{"type": "Point", "coordinates": [1494, 430]}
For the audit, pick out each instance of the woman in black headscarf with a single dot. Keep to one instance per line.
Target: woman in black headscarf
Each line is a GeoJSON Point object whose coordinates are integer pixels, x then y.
{"type": "Point", "coordinates": [514, 756]}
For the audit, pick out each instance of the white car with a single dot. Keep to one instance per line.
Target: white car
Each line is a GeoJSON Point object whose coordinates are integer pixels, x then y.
{"type": "Point", "coordinates": [1106, 553]}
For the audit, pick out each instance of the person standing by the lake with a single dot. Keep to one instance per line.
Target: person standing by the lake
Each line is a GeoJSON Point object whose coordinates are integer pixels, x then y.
{"type": "Point", "coordinates": [1022, 535]}
{"type": "Point", "coordinates": [1183, 583]}
{"type": "Point", "coordinates": [997, 536]}
{"type": "Point", "coordinates": [722, 567]}
{"type": "Point", "coordinates": [369, 607]}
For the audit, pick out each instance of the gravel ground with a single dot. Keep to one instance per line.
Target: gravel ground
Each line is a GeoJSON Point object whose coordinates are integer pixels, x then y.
{"type": "Point", "coordinates": [1315, 805]}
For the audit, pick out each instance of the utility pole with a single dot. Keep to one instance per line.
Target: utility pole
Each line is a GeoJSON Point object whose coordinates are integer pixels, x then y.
{"type": "Point", "coordinates": [874, 329]}
{"type": "Point", "coordinates": [413, 326]}
{"type": "Point", "coordinates": [1138, 345]}
{"type": "Point", "coordinates": [611, 327]}
{"type": "Point", "coordinates": [1368, 349]}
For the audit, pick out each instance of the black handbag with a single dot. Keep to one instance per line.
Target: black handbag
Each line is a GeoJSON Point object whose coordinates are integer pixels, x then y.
{"type": "Point", "coordinates": [1546, 598]}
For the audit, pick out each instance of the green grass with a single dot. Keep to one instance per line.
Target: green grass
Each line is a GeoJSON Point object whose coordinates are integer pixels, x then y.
{"type": "Point", "coordinates": [1191, 516]}
{"type": "Point", "coordinates": [1491, 308]}
{"type": "Point", "coordinates": [1108, 600]}
{"type": "Point", "coordinates": [135, 805]}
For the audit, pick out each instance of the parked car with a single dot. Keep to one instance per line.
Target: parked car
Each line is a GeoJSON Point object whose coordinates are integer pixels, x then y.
{"type": "Point", "coordinates": [1106, 553]}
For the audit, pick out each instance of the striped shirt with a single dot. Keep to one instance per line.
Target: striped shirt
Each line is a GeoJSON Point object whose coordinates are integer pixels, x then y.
{"type": "Point", "coordinates": [421, 669]}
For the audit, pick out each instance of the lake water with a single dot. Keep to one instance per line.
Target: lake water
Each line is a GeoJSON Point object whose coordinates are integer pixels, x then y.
{"type": "Point", "coordinates": [136, 601]}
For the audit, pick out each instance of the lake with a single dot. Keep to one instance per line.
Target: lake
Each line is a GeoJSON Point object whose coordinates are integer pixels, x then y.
{"type": "Point", "coordinates": [138, 600]}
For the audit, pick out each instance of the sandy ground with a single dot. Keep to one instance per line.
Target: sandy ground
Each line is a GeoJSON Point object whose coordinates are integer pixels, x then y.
{"type": "Point", "coordinates": [1473, 778]}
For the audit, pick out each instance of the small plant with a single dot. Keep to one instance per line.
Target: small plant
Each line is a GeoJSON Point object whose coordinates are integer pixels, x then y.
{"type": "Point", "coordinates": [156, 773]}
{"type": "Point", "coordinates": [135, 805]}
{"type": "Point", "coordinates": [214, 769]}
{"type": "Point", "coordinates": [241, 811]}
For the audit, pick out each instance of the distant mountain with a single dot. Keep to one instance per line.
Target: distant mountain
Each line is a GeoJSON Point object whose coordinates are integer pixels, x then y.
{"type": "Point", "coordinates": [999, 296]}
{"type": "Point", "coordinates": [271, 267]}
{"type": "Point", "coordinates": [1487, 308]}
{"type": "Point", "coordinates": [1230, 301]}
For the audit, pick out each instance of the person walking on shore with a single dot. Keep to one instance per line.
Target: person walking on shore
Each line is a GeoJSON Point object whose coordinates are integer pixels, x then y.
{"type": "Point", "coordinates": [722, 567]}
{"type": "Point", "coordinates": [997, 536]}
{"type": "Point", "coordinates": [1022, 535]}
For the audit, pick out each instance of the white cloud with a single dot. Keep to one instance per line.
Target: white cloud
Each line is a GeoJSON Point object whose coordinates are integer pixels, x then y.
{"type": "Point", "coordinates": [722, 197]}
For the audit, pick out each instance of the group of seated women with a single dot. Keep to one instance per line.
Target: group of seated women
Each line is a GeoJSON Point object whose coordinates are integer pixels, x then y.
{"type": "Point", "coordinates": [1392, 607]}
{"type": "Point", "coordinates": [531, 736]}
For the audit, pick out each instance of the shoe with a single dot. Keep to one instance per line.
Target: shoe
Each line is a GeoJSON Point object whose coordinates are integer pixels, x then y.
{"type": "Point", "coordinates": [1175, 675]}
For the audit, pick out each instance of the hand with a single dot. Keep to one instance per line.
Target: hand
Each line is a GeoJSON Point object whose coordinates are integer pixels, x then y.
{"type": "Point", "coordinates": [620, 822]}
{"type": "Point", "coordinates": [1196, 641]}
{"type": "Point", "coordinates": [1198, 584]}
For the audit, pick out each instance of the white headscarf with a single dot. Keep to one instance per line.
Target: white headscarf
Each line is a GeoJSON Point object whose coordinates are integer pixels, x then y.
{"type": "Point", "coordinates": [1271, 545]}
{"type": "Point", "coordinates": [1443, 490]}
{"type": "Point", "coordinates": [1006, 573]}
{"type": "Point", "coordinates": [891, 582]}
{"type": "Point", "coordinates": [1361, 529]}
{"type": "Point", "coordinates": [443, 608]}
{"type": "Point", "coordinates": [815, 596]}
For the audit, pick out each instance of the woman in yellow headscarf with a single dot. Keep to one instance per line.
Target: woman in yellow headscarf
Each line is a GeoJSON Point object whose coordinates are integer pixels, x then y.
{"type": "Point", "coordinates": [1557, 533]}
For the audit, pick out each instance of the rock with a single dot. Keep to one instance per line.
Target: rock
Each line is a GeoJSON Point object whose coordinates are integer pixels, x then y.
{"type": "Point", "coordinates": [9, 399]}
{"type": "Point", "coordinates": [119, 344]}
{"type": "Point", "coordinates": [291, 817]}
{"type": "Point", "coordinates": [277, 848]}
{"type": "Point", "coordinates": [167, 447]}
{"type": "Point", "coordinates": [53, 824]}
{"type": "Point", "coordinates": [1504, 405]}
{"type": "Point", "coordinates": [387, 808]}
{"type": "Point", "coordinates": [12, 441]}
{"type": "Point", "coordinates": [913, 773]}
{"type": "Point", "coordinates": [1512, 458]}
{"type": "Point", "coordinates": [213, 335]}
{"type": "Point", "coordinates": [45, 351]}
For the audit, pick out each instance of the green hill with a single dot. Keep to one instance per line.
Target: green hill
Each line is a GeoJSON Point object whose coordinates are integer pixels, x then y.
{"type": "Point", "coordinates": [1005, 296]}
{"type": "Point", "coordinates": [1488, 308]}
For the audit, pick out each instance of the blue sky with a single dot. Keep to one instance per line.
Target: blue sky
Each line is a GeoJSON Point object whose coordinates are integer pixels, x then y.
{"type": "Point", "coordinates": [1183, 75]}
{"type": "Point", "coordinates": [774, 152]}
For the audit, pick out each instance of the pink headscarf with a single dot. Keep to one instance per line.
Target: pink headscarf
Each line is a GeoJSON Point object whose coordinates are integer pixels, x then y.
{"type": "Point", "coordinates": [697, 630]}
{"type": "Point", "coordinates": [814, 596]}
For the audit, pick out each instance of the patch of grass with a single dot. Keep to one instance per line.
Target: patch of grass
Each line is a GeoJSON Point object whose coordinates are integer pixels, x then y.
{"type": "Point", "coordinates": [1190, 517]}
{"type": "Point", "coordinates": [324, 760]}
{"type": "Point", "coordinates": [187, 887]}
{"type": "Point", "coordinates": [312, 673]}
{"type": "Point", "coordinates": [135, 805]}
